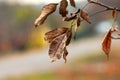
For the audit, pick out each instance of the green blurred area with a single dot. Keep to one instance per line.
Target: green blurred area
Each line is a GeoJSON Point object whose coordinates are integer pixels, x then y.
{"type": "Point", "coordinates": [38, 76]}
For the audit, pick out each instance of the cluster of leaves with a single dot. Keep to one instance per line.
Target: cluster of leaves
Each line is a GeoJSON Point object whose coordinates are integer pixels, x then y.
{"type": "Point", "coordinates": [60, 37]}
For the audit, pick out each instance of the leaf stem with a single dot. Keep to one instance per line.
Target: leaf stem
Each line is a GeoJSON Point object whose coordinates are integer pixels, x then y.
{"type": "Point", "coordinates": [85, 5]}
{"type": "Point", "coordinates": [115, 18]}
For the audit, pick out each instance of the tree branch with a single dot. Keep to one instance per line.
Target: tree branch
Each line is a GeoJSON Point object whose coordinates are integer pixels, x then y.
{"type": "Point", "coordinates": [104, 5]}
{"type": "Point", "coordinates": [98, 12]}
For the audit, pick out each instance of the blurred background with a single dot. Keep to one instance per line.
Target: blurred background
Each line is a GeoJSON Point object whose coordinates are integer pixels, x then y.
{"type": "Point", "coordinates": [24, 53]}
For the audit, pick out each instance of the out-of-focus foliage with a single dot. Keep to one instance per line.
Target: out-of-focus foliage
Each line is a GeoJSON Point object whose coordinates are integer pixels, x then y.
{"type": "Point", "coordinates": [39, 76]}
{"type": "Point", "coordinates": [36, 38]}
{"type": "Point", "coordinates": [16, 26]}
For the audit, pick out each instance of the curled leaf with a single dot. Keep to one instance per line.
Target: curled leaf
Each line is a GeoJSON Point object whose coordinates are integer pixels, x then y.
{"type": "Point", "coordinates": [49, 36]}
{"type": "Point", "coordinates": [85, 16]}
{"type": "Point", "coordinates": [65, 54]}
{"type": "Point", "coordinates": [72, 2]}
{"type": "Point", "coordinates": [62, 8]}
{"type": "Point", "coordinates": [69, 36]}
{"type": "Point", "coordinates": [78, 11]}
{"type": "Point", "coordinates": [45, 12]}
{"type": "Point", "coordinates": [106, 44]}
{"type": "Point", "coordinates": [69, 18]}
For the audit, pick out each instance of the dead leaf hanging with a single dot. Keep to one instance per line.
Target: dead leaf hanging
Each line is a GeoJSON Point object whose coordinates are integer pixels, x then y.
{"type": "Point", "coordinates": [57, 47]}
{"type": "Point", "coordinates": [106, 44]}
{"type": "Point", "coordinates": [49, 36]}
{"type": "Point", "coordinates": [45, 12]}
{"type": "Point", "coordinates": [59, 39]}
{"type": "Point", "coordinates": [72, 2]}
{"type": "Point", "coordinates": [62, 8]}
{"type": "Point", "coordinates": [85, 16]}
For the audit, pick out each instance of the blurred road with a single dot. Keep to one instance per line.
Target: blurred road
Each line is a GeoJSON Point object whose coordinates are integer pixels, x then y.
{"type": "Point", "coordinates": [40, 61]}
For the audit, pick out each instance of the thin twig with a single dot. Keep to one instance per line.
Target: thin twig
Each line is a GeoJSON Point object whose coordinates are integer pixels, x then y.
{"type": "Point", "coordinates": [98, 12]}
{"type": "Point", "coordinates": [104, 5]}
{"type": "Point", "coordinates": [115, 37]}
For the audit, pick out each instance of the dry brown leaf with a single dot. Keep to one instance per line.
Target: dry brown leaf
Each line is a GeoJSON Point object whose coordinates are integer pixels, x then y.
{"type": "Point", "coordinates": [85, 16]}
{"type": "Point", "coordinates": [59, 39]}
{"type": "Point", "coordinates": [114, 12]}
{"type": "Point", "coordinates": [72, 2]}
{"type": "Point", "coordinates": [106, 44]}
{"type": "Point", "coordinates": [69, 36]}
{"type": "Point", "coordinates": [49, 36]}
{"type": "Point", "coordinates": [62, 9]}
{"type": "Point", "coordinates": [45, 12]}
{"type": "Point", "coordinates": [57, 47]}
